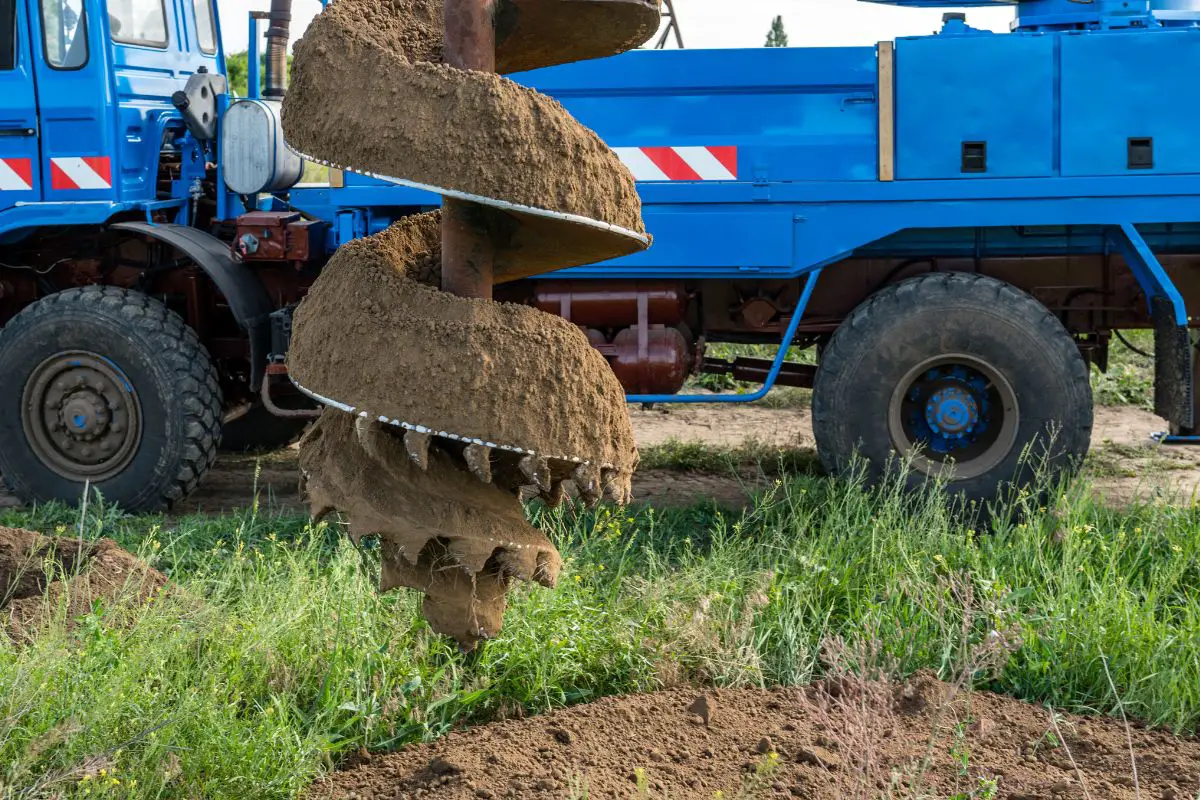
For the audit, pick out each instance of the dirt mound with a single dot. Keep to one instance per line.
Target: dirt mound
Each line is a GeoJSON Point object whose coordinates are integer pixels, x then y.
{"type": "Point", "coordinates": [38, 572]}
{"type": "Point", "coordinates": [870, 740]}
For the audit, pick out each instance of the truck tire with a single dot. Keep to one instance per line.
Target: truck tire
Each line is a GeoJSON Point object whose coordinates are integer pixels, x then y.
{"type": "Point", "coordinates": [107, 386]}
{"type": "Point", "coordinates": [965, 375]}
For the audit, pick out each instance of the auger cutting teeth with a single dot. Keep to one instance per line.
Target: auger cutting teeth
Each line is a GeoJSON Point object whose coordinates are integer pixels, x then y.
{"type": "Point", "coordinates": [537, 470]}
{"type": "Point", "coordinates": [417, 445]}
{"type": "Point", "coordinates": [557, 494]}
{"type": "Point", "coordinates": [479, 461]}
{"type": "Point", "coordinates": [587, 481]}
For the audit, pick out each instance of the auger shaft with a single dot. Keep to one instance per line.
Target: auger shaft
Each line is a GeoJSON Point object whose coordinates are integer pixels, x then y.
{"type": "Point", "coordinates": [468, 250]}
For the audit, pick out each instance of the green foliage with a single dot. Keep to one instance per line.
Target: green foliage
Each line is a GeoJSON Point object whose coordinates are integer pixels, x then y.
{"type": "Point", "coordinates": [777, 37]}
{"type": "Point", "coordinates": [273, 656]}
{"type": "Point", "coordinates": [237, 70]}
{"type": "Point", "coordinates": [1130, 377]}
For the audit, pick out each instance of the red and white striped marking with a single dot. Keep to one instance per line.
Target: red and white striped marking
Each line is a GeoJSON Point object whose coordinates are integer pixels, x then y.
{"type": "Point", "coordinates": [16, 175]}
{"type": "Point", "coordinates": [680, 163]}
{"type": "Point", "coordinates": [81, 172]}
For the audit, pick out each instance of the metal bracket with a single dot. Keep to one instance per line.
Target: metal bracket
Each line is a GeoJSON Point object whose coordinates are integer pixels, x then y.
{"type": "Point", "coordinates": [772, 375]}
{"type": "Point", "coordinates": [1174, 383]}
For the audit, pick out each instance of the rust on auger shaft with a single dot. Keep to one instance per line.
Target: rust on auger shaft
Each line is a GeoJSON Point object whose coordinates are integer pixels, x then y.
{"type": "Point", "coordinates": [468, 252]}
{"type": "Point", "coordinates": [447, 409]}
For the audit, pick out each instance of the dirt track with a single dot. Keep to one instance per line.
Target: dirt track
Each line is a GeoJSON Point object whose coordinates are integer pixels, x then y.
{"type": "Point", "coordinates": [1124, 461]}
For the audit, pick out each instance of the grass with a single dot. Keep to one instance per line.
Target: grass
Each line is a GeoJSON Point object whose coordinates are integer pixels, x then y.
{"type": "Point", "coordinates": [274, 657]}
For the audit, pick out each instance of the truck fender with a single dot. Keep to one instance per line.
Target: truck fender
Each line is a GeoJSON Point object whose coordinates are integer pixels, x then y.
{"type": "Point", "coordinates": [247, 297]}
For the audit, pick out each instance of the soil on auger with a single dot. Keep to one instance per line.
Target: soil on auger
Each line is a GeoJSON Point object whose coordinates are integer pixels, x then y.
{"type": "Point", "coordinates": [430, 123]}
{"type": "Point", "coordinates": [452, 363]}
{"type": "Point", "coordinates": [462, 407]}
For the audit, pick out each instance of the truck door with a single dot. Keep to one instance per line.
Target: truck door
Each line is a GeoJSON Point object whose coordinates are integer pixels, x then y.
{"type": "Point", "coordinates": [18, 111]}
{"type": "Point", "coordinates": [74, 95]}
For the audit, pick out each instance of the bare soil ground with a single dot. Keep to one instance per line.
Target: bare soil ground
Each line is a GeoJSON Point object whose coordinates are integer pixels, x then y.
{"type": "Point", "coordinates": [37, 572]}
{"type": "Point", "coordinates": [1124, 462]}
{"type": "Point", "coordinates": [838, 739]}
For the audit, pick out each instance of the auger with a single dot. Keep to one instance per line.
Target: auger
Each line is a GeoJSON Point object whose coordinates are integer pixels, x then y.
{"type": "Point", "coordinates": [466, 405]}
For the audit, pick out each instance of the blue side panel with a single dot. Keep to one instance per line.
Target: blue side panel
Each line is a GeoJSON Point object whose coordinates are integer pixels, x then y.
{"type": "Point", "coordinates": [1123, 85]}
{"type": "Point", "coordinates": [993, 89]}
{"type": "Point", "coordinates": [794, 114]}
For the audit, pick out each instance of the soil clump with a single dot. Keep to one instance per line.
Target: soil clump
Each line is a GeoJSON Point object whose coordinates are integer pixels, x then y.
{"type": "Point", "coordinates": [442, 531]}
{"type": "Point", "coordinates": [825, 742]}
{"type": "Point", "coordinates": [372, 333]}
{"type": "Point", "coordinates": [38, 572]}
{"type": "Point", "coordinates": [442, 127]}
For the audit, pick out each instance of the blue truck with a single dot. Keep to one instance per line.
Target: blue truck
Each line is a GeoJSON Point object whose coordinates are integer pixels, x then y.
{"type": "Point", "coordinates": [958, 224]}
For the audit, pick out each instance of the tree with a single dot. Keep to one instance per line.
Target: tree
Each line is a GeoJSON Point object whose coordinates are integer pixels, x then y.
{"type": "Point", "coordinates": [778, 36]}
{"type": "Point", "coordinates": [236, 66]}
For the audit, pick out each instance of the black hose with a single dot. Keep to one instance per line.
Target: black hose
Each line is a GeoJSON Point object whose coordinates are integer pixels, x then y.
{"type": "Point", "coordinates": [280, 21]}
{"type": "Point", "coordinates": [1125, 342]}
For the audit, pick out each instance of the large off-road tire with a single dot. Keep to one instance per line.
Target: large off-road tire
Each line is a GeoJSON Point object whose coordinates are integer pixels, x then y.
{"type": "Point", "coordinates": [965, 375]}
{"type": "Point", "coordinates": [105, 386]}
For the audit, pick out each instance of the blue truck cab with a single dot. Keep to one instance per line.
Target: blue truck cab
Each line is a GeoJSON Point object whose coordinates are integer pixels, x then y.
{"type": "Point", "coordinates": [957, 224]}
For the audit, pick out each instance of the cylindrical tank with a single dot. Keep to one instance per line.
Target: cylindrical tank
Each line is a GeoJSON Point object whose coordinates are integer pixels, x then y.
{"type": "Point", "coordinates": [253, 154]}
{"type": "Point", "coordinates": [613, 304]}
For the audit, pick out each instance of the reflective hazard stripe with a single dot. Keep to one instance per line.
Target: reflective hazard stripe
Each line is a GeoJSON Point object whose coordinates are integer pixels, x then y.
{"type": "Point", "coordinates": [680, 163]}
{"type": "Point", "coordinates": [81, 172]}
{"type": "Point", "coordinates": [16, 175]}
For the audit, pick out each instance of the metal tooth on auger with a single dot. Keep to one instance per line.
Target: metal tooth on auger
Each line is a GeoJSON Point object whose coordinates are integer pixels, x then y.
{"type": "Point", "coordinates": [479, 461]}
{"type": "Point", "coordinates": [417, 445]}
{"type": "Point", "coordinates": [537, 470]}
{"type": "Point", "coordinates": [556, 495]}
{"type": "Point", "coordinates": [587, 480]}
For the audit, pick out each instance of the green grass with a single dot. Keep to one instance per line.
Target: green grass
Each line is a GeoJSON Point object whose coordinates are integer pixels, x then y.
{"type": "Point", "coordinates": [695, 456]}
{"type": "Point", "coordinates": [274, 656]}
{"type": "Point", "coordinates": [1130, 377]}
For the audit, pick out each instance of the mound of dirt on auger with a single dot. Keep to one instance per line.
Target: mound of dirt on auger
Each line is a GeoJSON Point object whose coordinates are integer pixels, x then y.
{"type": "Point", "coordinates": [870, 740]}
{"type": "Point", "coordinates": [38, 573]}
{"type": "Point", "coordinates": [370, 335]}
{"type": "Point", "coordinates": [429, 123]}
{"type": "Point", "coordinates": [441, 530]}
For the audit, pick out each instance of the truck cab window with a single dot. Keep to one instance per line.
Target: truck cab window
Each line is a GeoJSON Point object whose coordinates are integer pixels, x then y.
{"type": "Point", "coordinates": [64, 33]}
{"type": "Point", "coordinates": [206, 31]}
{"type": "Point", "coordinates": [8, 34]}
{"type": "Point", "coordinates": [141, 22]}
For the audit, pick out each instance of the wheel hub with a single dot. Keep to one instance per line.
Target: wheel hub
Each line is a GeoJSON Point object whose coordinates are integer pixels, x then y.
{"type": "Point", "coordinates": [81, 416]}
{"type": "Point", "coordinates": [954, 407]}
{"type": "Point", "coordinates": [952, 412]}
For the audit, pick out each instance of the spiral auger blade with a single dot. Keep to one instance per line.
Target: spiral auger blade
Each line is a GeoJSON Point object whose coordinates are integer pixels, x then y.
{"type": "Point", "coordinates": [446, 408]}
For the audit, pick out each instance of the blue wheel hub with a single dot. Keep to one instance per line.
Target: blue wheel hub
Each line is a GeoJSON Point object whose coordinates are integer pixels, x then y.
{"type": "Point", "coordinates": [949, 408]}
{"type": "Point", "coordinates": [952, 412]}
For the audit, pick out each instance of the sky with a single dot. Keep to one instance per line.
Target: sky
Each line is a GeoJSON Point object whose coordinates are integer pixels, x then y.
{"type": "Point", "coordinates": [724, 23]}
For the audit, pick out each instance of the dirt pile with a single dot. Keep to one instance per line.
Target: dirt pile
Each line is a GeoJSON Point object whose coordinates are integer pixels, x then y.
{"type": "Point", "coordinates": [38, 573]}
{"type": "Point", "coordinates": [826, 742]}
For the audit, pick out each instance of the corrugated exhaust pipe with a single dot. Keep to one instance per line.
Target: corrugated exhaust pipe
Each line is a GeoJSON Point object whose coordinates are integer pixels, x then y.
{"type": "Point", "coordinates": [280, 21]}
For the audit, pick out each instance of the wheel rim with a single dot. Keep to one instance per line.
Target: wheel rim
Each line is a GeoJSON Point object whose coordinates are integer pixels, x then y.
{"type": "Point", "coordinates": [81, 416]}
{"type": "Point", "coordinates": [954, 409]}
